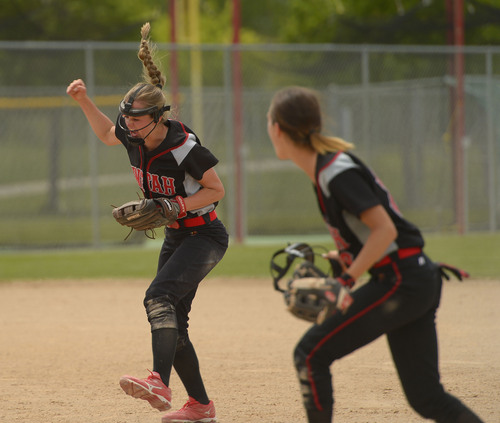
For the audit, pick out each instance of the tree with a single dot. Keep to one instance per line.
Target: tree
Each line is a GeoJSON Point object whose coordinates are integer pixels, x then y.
{"type": "Point", "coordinates": [263, 21]}
{"type": "Point", "coordinates": [388, 22]}
{"type": "Point", "coordinates": [76, 20]}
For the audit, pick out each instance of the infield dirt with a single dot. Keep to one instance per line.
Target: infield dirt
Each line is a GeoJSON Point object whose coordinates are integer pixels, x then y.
{"type": "Point", "coordinates": [65, 344]}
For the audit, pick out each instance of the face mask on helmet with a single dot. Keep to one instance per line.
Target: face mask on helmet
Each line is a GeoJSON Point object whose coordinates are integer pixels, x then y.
{"type": "Point", "coordinates": [126, 109]}
{"type": "Point", "coordinates": [282, 260]}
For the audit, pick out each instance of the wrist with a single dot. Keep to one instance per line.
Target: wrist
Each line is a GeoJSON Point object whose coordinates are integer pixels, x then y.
{"type": "Point", "coordinates": [346, 279]}
{"type": "Point", "coordinates": [182, 206]}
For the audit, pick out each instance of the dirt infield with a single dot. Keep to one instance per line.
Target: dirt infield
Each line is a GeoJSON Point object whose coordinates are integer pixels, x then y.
{"type": "Point", "coordinates": [64, 346]}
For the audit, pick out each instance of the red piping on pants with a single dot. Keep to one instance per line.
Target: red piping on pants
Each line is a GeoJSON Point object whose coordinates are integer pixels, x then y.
{"type": "Point", "coordinates": [344, 325]}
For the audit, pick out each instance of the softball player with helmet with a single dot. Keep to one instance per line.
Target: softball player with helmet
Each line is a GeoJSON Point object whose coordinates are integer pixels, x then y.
{"type": "Point", "coordinates": [402, 296]}
{"type": "Point", "coordinates": [168, 161]}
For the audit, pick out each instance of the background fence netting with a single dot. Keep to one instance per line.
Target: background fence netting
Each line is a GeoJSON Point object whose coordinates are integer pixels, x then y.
{"type": "Point", "coordinates": [399, 106]}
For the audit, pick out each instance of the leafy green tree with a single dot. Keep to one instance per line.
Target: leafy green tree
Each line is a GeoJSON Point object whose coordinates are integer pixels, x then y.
{"type": "Point", "coordinates": [262, 21]}
{"type": "Point", "coordinates": [388, 22]}
{"type": "Point", "coordinates": [76, 20]}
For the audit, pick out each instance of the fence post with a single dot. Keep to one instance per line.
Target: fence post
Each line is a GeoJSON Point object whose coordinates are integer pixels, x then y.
{"type": "Point", "coordinates": [229, 125]}
{"type": "Point", "coordinates": [459, 119]}
{"type": "Point", "coordinates": [238, 124]}
{"type": "Point", "coordinates": [366, 95]}
{"type": "Point", "coordinates": [490, 142]}
{"type": "Point", "coordinates": [52, 205]}
{"type": "Point", "coordinates": [93, 155]}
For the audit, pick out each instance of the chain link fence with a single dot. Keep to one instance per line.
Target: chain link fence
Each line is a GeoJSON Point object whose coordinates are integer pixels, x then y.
{"type": "Point", "coordinates": [400, 106]}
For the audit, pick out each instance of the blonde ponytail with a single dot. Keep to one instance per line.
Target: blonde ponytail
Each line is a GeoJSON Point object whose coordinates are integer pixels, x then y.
{"type": "Point", "coordinates": [298, 113]}
{"type": "Point", "coordinates": [150, 92]}
{"type": "Point", "coordinates": [325, 144]}
{"type": "Point", "coordinates": [151, 73]}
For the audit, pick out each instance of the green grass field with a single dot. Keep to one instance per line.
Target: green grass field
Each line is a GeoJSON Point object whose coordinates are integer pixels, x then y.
{"type": "Point", "coordinates": [476, 253]}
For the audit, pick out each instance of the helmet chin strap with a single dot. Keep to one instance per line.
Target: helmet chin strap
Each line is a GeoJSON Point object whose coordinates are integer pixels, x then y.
{"type": "Point", "coordinates": [135, 140]}
{"type": "Point", "coordinates": [147, 135]}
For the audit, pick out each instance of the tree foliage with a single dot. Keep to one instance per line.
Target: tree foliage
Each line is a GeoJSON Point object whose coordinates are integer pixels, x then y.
{"type": "Point", "coordinates": [262, 21]}
{"type": "Point", "coordinates": [389, 22]}
{"type": "Point", "coordinates": [75, 20]}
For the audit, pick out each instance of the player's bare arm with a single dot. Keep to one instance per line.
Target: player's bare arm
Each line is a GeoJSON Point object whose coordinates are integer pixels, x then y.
{"type": "Point", "coordinates": [212, 191]}
{"type": "Point", "coordinates": [102, 126]}
{"type": "Point", "coordinates": [382, 233]}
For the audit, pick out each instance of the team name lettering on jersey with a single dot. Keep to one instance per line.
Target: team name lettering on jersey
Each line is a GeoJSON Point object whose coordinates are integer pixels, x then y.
{"type": "Point", "coordinates": [138, 175]}
{"type": "Point", "coordinates": [168, 185]}
{"type": "Point", "coordinates": [342, 245]}
{"type": "Point", "coordinates": [156, 183]}
{"type": "Point", "coordinates": [340, 242]}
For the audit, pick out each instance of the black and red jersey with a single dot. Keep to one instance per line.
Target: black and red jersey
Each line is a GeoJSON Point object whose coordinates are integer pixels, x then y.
{"type": "Point", "coordinates": [174, 167]}
{"type": "Point", "coordinates": [345, 187]}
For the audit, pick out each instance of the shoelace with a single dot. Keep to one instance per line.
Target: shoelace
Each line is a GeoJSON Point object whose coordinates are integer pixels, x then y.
{"type": "Point", "coordinates": [153, 379]}
{"type": "Point", "coordinates": [151, 376]}
{"type": "Point", "coordinates": [190, 402]}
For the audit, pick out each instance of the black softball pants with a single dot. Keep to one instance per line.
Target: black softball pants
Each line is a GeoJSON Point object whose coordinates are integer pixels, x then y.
{"type": "Point", "coordinates": [400, 300]}
{"type": "Point", "coordinates": [186, 257]}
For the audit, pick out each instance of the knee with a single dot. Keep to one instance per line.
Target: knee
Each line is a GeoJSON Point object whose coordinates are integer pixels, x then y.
{"type": "Point", "coordinates": [303, 362]}
{"type": "Point", "coordinates": [161, 313]}
{"type": "Point", "coordinates": [315, 384]}
{"type": "Point", "coordinates": [306, 355]}
{"type": "Point", "coordinates": [300, 357]}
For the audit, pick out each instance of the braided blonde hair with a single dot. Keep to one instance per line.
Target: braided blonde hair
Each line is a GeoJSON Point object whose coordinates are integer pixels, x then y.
{"type": "Point", "coordinates": [151, 93]}
{"type": "Point", "coordinates": [151, 73]}
{"type": "Point", "coordinates": [297, 111]}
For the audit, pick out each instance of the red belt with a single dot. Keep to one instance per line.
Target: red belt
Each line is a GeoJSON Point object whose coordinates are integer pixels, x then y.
{"type": "Point", "coordinates": [400, 254]}
{"type": "Point", "coordinates": [198, 221]}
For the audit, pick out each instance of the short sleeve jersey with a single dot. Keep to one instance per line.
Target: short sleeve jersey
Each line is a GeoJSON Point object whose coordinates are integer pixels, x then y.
{"type": "Point", "coordinates": [174, 167]}
{"type": "Point", "coordinates": [345, 187]}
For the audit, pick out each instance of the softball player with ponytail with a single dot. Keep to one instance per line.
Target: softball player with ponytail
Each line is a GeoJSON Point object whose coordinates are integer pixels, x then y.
{"type": "Point", "coordinates": [402, 296]}
{"type": "Point", "coordinates": [168, 161]}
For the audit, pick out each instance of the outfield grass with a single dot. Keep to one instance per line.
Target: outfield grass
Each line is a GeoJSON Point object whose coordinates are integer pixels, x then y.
{"type": "Point", "coordinates": [476, 253]}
